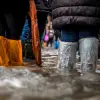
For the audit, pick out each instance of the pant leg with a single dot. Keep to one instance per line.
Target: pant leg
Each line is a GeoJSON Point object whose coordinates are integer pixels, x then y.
{"type": "Point", "coordinates": [48, 42]}
{"type": "Point", "coordinates": [15, 23]}
{"type": "Point", "coordinates": [56, 38]}
{"type": "Point", "coordinates": [3, 55]}
{"type": "Point", "coordinates": [2, 25]}
{"type": "Point", "coordinates": [51, 41]}
{"type": "Point", "coordinates": [57, 34]}
{"type": "Point", "coordinates": [88, 46]}
{"type": "Point", "coordinates": [67, 50]}
{"type": "Point", "coordinates": [42, 17]}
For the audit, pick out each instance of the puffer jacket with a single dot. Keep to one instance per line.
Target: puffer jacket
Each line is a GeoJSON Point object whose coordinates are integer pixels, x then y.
{"type": "Point", "coordinates": [78, 13]}
{"type": "Point", "coordinates": [43, 5]}
{"type": "Point", "coordinates": [14, 5]}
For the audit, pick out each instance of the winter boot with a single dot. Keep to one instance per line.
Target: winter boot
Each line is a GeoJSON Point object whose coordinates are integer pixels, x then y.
{"type": "Point", "coordinates": [89, 54]}
{"type": "Point", "coordinates": [14, 51]}
{"type": "Point", "coordinates": [66, 56]}
{"type": "Point", "coordinates": [3, 56]}
{"type": "Point", "coordinates": [89, 57]}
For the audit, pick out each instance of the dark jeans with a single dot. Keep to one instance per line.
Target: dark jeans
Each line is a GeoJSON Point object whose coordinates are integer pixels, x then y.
{"type": "Point", "coordinates": [42, 17]}
{"type": "Point", "coordinates": [50, 42]}
{"type": "Point", "coordinates": [56, 38]}
{"type": "Point", "coordinates": [57, 34]}
{"type": "Point", "coordinates": [12, 24]}
{"type": "Point", "coordinates": [75, 35]}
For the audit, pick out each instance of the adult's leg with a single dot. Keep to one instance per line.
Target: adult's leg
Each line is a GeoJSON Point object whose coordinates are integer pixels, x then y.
{"type": "Point", "coordinates": [51, 41]}
{"type": "Point", "coordinates": [48, 42]}
{"type": "Point", "coordinates": [42, 17]}
{"type": "Point", "coordinates": [88, 45]}
{"type": "Point", "coordinates": [57, 34]}
{"type": "Point", "coordinates": [15, 22]}
{"type": "Point", "coordinates": [67, 50]}
{"type": "Point", "coordinates": [3, 56]}
{"type": "Point", "coordinates": [56, 38]}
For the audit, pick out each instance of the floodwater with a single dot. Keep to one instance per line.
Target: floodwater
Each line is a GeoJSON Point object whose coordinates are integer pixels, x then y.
{"type": "Point", "coordinates": [21, 84]}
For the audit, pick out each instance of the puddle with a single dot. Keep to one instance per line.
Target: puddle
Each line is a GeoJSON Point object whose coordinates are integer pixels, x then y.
{"type": "Point", "coordinates": [24, 85]}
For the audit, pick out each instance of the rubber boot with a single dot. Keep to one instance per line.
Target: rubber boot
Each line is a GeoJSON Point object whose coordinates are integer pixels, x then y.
{"type": "Point", "coordinates": [89, 56]}
{"type": "Point", "coordinates": [3, 55]}
{"type": "Point", "coordinates": [14, 51]}
{"type": "Point", "coordinates": [66, 56]}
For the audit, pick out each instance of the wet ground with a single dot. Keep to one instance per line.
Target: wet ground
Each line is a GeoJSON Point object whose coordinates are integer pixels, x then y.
{"type": "Point", "coordinates": [21, 84]}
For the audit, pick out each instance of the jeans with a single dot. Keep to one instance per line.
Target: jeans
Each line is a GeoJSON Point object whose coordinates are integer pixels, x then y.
{"type": "Point", "coordinates": [75, 36]}
{"type": "Point", "coordinates": [50, 42]}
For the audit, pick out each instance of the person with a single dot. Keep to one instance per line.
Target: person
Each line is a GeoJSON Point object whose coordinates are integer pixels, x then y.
{"type": "Point", "coordinates": [57, 34]}
{"type": "Point", "coordinates": [51, 36]}
{"type": "Point", "coordinates": [79, 21]}
{"type": "Point", "coordinates": [50, 30]}
{"type": "Point", "coordinates": [43, 9]}
{"type": "Point", "coordinates": [12, 17]}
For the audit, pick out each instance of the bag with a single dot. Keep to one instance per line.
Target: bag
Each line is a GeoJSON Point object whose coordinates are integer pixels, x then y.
{"type": "Point", "coordinates": [46, 38]}
{"type": "Point", "coordinates": [44, 44]}
{"type": "Point", "coordinates": [56, 44]}
{"type": "Point", "coordinates": [26, 32]}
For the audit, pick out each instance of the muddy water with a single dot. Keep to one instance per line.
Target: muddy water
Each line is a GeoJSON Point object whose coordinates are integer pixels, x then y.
{"type": "Point", "coordinates": [24, 85]}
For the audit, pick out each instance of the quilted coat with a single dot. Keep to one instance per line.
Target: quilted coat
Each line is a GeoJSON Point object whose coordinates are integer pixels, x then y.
{"type": "Point", "coordinates": [76, 13]}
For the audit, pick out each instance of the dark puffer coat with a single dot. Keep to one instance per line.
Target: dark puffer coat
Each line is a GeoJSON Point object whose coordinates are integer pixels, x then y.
{"type": "Point", "coordinates": [14, 5]}
{"type": "Point", "coordinates": [76, 13]}
{"type": "Point", "coordinates": [43, 5]}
